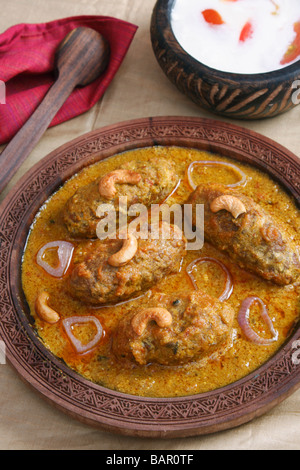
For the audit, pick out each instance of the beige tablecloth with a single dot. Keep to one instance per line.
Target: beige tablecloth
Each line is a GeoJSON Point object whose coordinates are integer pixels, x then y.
{"type": "Point", "coordinates": [139, 89]}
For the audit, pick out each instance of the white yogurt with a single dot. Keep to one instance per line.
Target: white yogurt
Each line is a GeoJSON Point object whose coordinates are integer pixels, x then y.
{"type": "Point", "coordinates": [219, 45]}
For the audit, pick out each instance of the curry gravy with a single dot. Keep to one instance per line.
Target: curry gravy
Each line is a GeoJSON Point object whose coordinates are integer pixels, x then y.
{"type": "Point", "coordinates": [241, 358]}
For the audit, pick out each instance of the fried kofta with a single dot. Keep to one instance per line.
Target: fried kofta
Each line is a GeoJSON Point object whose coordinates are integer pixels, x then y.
{"type": "Point", "coordinates": [113, 270]}
{"type": "Point", "coordinates": [237, 225]}
{"type": "Point", "coordinates": [140, 182]}
{"type": "Point", "coordinates": [174, 329]}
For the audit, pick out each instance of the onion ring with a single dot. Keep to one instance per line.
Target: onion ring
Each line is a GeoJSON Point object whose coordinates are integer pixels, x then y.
{"type": "Point", "coordinates": [172, 192]}
{"type": "Point", "coordinates": [243, 320]}
{"type": "Point", "coordinates": [229, 283]}
{"type": "Point", "coordinates": [242, 175]}
{"type": "Point", "coordinates": [79, 347]}
{"type": "Point", "coordinates": [64, 252]}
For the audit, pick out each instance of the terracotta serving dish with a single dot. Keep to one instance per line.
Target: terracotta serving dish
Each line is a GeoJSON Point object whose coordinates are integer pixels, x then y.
{"type": "Point", "coordinates": [236, 96]}
{"type": "Point", "coordinates": [93, 404]}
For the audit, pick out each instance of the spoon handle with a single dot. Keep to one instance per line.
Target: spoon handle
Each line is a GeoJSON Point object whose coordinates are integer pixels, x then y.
{"type": "Point", "coordinates": [26, 138]}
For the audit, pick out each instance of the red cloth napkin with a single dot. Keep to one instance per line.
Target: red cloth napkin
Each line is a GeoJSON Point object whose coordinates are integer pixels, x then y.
{"type": "Point", "coordinates": [27, 63]}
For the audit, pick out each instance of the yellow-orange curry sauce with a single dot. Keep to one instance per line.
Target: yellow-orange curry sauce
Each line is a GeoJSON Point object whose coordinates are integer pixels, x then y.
{"type": "Point", "coordinates": [154, 380]}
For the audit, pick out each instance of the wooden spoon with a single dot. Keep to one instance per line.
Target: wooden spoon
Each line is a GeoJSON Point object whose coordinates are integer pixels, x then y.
{"type": "Point", "coordinates": [81, 57]}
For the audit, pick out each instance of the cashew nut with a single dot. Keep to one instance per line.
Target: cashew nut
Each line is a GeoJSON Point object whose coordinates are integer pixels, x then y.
{"type": "Point", "coordinates": [160, 315]}
{"type": "Point", "coordinates": [126, 253]}
{"type": "Point", "coordinates": [43, 310]}
{"type": "Point", "coordinates": [229, 203]}
{"type": "Point", "coordinates": [107, 187]}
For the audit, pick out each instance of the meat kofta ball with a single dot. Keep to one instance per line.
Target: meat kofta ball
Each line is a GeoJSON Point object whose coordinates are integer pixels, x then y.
{"type": "Point", "coordinates": [237, 225]}
{"type": "Point", "coordinates": [110, 271]}
{"type": "Point", "coordinates": [140, 182]}
{"type": "Point", "coordinates": [174, 329]}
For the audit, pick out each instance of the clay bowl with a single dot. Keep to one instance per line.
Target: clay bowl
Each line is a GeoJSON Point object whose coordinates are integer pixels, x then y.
{"type": "Point", "coordinates": [93, 404]}
{"type": "Point", "coordinates": [236, 96]}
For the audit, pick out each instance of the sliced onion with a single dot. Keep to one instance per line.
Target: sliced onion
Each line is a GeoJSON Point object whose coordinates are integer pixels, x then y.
{"type": "Point", "coordinates": [172, 192]}
{"type": "Point", "coordinates": [242, 175]}
{"type": "Point", "coordinates": [228, 284]}
{"type": "Point", "coordinates": [79, 347]}
{"type": "Point", "coordinates": [243, 319]}
{"type": "Point", "coordinates": [64, 252]}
